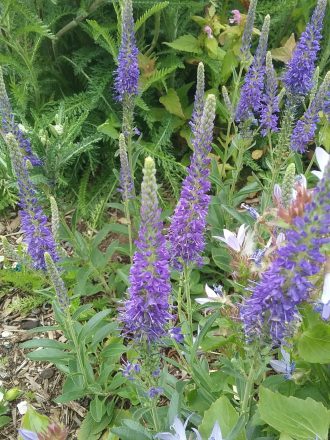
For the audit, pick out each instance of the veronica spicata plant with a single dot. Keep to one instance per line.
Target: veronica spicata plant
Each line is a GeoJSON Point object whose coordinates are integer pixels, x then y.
{"type": "Point", "coordinates": [127, 77]}
{"type": "Point", "coordinates": [8, 125]}
{"type": "Point", "coordinates": [298, 78]}
{"type": "Point", "coordinates": [37, 235]}
{"type": "Point", "coordinates": [186, 232]}
{"type": "Point", "coordinates": [273, 304]}
{"type": "Point", "coordinates": [146, 311]}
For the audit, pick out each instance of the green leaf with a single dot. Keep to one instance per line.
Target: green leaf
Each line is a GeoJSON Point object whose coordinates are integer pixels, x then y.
{"type": "Point", "coordinates": [172, 103]}
{"type": "Point", "coordinates": [150, 12]}
{"type": "Point", "coordinates": [224, 413]}
{"type": "Point", "coordinates": [97, 409]}
{"type": "Point", "coordinates": [229, 63]}
{"type": "Point", "coordinates": [69, 396]}
{"type": "Point", "coordinates": [4, 420]}
{"type": "Point", "coordinates": [33, 421]}
{"type": "Point", "coordinates": [90, 326]}
{"type": "Point", "coordinates": [186, 43]}
{"type": "Point", "coordinates": [45, 343]}
{"type": "Point", "coordinates": [314, 344]}
{"type": "Point", "coordinates": [50, 355]}
{"type": "Point", "coordinates": [300, 419]}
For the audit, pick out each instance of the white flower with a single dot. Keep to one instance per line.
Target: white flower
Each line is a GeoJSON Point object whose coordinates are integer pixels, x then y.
{"type": "Point", "coordinates": [322, 158]}
{"type": "Point", "coordinates": [22, 128]}
{"type": "Point", "coordinates": [232, 240]}
{"type": "Point", "coordinates": [325, 298]}
{"type": "Point", "coordinates": [280, 238]}
{"type": "Point", "coordinates": [213, 296]}
{"type": "Point", "coordinates": [22, 407]}
{"type": "Point", "coordinates": [241, 243]}
{"type": "Point", "coordinates": [180, 432]}
{"type": "Point", "coordinates": [1, 396]}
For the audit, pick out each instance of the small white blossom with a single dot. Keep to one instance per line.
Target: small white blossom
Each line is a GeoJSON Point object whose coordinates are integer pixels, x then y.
{"type": "Point", "coordinates": [322, 158]}
{"type": "Point", "coordinates": [22, 128]}
{"type": "Point", "coordinates": [22, 407]}
{"type": "Point", "coordinates": [1, 396]}
{"type": "Point", "coordinates": [241, 243]}
{"type": "Point", "coordinates": [180, 432]}
{"type": "Point", "coordinates": [213, 296]}
{"type": "Point", "coordinates": [325, 298]}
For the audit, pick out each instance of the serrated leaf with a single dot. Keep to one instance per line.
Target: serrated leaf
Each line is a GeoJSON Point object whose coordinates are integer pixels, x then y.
{"type": "Point", "coordinates": [314, 344]}
{"type": "Point", "coordinates": [284, 53]}
{"type": "Point", "coordinates": [149, 13]}
{"type": "Point", "coordinates": [298, 418]}
{"type": "Point", "coordinates": [172, 103]}
{"type": "Point", "coordinates": [224, 413]}
{"type": "Point", "coordinates": [186, 43]}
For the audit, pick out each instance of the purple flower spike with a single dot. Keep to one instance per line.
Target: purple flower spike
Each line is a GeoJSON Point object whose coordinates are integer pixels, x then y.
{"type": "Point", "coordinates": [8, 125]}
{"type": "Point", "coordinates": [298, 78]}
{"type": "Point", "coordinates": [186, 233]}
{"type": "Point", "coordinates": [270, 104]}
{"type": "Point", "coordinates": [287, 283]}
{"type": "Point", "coordinates": [304, 131]}
{"type": "Point", "coordinates": [37, 235]}
{"type": "Point", "coordinates": [248, 29]}
{"type": "Point", "coordinates": [146, 312]}
{"type": "Point", "coordinates": [127, 73]}
{"type": "Point", "coordinates": [251, 93]}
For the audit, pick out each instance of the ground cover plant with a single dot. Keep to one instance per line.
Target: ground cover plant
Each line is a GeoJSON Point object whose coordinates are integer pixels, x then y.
{"type": "Point", "coordinates": [174, 222]}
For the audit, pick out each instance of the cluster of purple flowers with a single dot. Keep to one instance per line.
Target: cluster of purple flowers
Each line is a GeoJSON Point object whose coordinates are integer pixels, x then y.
{"type": "Point", "coordinates": [287, 283]}
{"type": "Point", "coordinates": [37, 234]}
{"type": "Point", "coordinates": [298, 78]}
{"type": "Point", "coordinates": [252, 89]}
{"type": "Point", "coordinates": [186, 233]}
{"type": "Point", "coordinates": [127, 73]}
{"type": "Point", "coordinates": [304, 131]}
{"type": "Point", "coordinates": [270, 100]}
{"type": "Point", "coordinates": [146, 312]}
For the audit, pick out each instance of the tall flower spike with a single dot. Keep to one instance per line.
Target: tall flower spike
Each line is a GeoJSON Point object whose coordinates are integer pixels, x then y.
{"type": "Point", "coordinates": [227, 101]}
{"type": "Point", "coordinates": [37, 235]}
{"type": "Point", "coordinates": [126, 180]}
{"type": "Point", "coordinates": [186, 233]}
{"type": "Point", "coordinates": [248, 29]}
{"type": "Point", "coordinates": [298, 78]}
{"type": "Point", "coordinates": [8, 124]}
{"type": "Point", "coordinates": [304, 131]}
{"type": "Point", "coordinates": [287, 186]}
{"type": "Point", "coordinates": [251, 93]}
{"type": "Point", "coordinates": [270, 101]}
{"type": "Point", "coordinates": [288, 282]}
{"type": "Point", "coordinates": [199, 98]}
{"type": "Point", "coordinates": [146, 312]}
{"type": "Point", "coordinates": [127, 73]}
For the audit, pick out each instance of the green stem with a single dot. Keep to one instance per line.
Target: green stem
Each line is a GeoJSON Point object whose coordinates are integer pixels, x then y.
{"type": "Point", "coordinates": [186, 289]}
{"type": "Point", "coordinates": [156, 34]}
{"type": "Point", "coordinates": [129, 226]}
{"type": "Point", "coordinates": [275, 173]}
{"type": "Point", "coordinates": [248, 387]}
{"type": "Point", "coordinates": [155, 415]}
{"type": "Point", "coordinates": [74, 339]}
{"type": "Point", "coordinates": [231, 120]}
